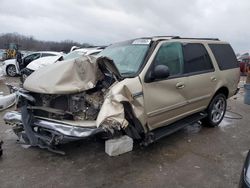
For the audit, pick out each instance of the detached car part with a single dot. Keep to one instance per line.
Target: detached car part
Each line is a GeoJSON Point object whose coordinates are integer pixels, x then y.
{"type": "Point", "coordinates": [7, 101]}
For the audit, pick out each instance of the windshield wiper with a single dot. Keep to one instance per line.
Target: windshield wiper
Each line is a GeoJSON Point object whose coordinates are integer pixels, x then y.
{"type": "Point", "coordinates": [128, 74]}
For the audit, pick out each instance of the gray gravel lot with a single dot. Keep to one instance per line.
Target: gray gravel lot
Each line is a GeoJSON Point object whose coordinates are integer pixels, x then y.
{"type": "Point", "coordinates": [196, 156]}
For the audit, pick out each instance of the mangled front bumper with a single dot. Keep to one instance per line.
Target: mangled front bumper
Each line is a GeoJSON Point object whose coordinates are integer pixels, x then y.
{"type": "Point", "coordinates": [47, 133]}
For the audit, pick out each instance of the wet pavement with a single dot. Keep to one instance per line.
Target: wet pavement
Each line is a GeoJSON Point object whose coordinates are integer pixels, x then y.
{"type": "Point", "coordinates": [196, 156]}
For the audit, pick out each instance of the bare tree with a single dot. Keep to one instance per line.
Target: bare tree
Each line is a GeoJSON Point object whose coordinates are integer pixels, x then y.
{"type": "Point", "coordinates": [31, 44]}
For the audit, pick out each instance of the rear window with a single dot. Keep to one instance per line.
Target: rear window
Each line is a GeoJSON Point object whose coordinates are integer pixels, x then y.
{"type": "Point", "coordinates": [224, 56]}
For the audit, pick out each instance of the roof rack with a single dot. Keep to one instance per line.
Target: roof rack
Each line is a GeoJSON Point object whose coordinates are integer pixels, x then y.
{"type": "Point", "coordinates": [166, 36]}
{"type": "Point", "coordinates": [177, 37]}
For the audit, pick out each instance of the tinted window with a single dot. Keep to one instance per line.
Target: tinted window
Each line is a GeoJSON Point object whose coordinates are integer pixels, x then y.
{"type": "Point", "coordinates": [31, 57]}
{"type": "Point", "coordinates": [196, 58]}
{"type": "Point", "coordinates": [170, 54]}
{"type": "Point", "coordinates": [47, 54]}
{"type": "Point", "coordinates": [224, 56]}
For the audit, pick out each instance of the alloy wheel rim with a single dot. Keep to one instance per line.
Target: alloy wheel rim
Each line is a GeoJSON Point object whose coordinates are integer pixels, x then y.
{"type": "Point", "coordinates": [218, 110]}
{"type": "Point", "coordinates": [12, 71]}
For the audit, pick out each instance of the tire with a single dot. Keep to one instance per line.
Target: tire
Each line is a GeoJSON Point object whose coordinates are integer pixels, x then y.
{"type": "Point", "coordinates": [11, 70]}
{"type": "Point", "coordinates": [216, 110]}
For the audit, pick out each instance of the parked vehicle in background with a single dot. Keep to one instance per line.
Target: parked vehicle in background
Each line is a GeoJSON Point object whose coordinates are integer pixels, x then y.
{"type": "Point", "coordinates": [145, 88]}
{"type": "Point", "coordinates": [12, 67]}
{"type": "Point", "coordinates": [43, 62]}
{"type": "Point", "coordinates": [11, 51]}
{"type": "Point", "coordinates": [243, 64]}
{"type": "Point", "coordinates": [37, 64]}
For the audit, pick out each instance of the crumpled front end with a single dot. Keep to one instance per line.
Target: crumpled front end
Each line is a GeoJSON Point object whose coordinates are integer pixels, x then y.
{"type": "Point", "coordinates": [89, 106]}
{"type": "Point", "coordinates": [48, 133]}
{"type": "Point", "coordinates": [123, 107]}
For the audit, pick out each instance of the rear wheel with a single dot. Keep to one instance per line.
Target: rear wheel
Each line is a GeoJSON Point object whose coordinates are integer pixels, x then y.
{"type": "Point", "coordinates": [11, 70]}
{"type": "Point", "coordinates": [216, 110]}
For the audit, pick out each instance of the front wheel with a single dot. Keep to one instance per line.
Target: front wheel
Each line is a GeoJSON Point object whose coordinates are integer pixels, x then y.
{"type": "Point", "coordinates": [216, 110]}
{"type": "Point", "coordinates": [11, 70]}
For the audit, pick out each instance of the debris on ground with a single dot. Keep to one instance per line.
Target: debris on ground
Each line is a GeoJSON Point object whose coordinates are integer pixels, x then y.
{"type": "Point", "coordinates": [118, 146]}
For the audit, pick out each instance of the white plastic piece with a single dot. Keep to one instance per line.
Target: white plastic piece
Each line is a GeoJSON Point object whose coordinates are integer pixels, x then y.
{"type": "Point", "coordinates": [7, 101]}
{"type": "Point", "coordinates": [118, 146]}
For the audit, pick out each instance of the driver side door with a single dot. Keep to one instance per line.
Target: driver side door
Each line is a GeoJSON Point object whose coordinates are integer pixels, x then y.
{"type": "Point", "coordinates": [166, 99]}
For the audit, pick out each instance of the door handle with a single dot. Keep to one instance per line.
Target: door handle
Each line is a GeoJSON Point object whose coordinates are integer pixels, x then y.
{"type": "Point", "coordinates": [180, 85]}
{"type": "Point", "coordinates": [213, 79]}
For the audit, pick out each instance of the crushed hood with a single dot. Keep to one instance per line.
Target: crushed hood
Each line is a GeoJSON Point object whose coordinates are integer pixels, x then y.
{"type": "Point", "coordinates": [107, 64]}
{"type": "Point", "coordinates": [66, 77]}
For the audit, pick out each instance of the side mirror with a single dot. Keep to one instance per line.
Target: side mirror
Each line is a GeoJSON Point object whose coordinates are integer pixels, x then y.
{"type": "Point", "coordinates": [157, 73]}
{"type": "Point", "coordinates": [160, 72]}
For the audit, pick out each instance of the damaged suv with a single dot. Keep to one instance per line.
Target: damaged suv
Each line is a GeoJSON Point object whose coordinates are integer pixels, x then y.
{"type": "Point", "coordinates": [145, 88]}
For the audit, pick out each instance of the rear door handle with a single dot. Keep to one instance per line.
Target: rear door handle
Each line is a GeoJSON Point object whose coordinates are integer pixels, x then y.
{"type": "Point", "coordinates": [213, 79]}
{"type": "Point", "coordinates": [180, 85]}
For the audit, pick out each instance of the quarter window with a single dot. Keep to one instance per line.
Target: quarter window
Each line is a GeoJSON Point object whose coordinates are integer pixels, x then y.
{"type": "Point", "coordinates": [170, 54]}
{"type": "Point", "coordinates": [196, 58]}
{"type": "Point", "coordinates": [224, 56]}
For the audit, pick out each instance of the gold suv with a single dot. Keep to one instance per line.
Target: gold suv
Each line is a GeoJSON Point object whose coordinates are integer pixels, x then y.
{"type": "Point", "coordinates": [146, 88]}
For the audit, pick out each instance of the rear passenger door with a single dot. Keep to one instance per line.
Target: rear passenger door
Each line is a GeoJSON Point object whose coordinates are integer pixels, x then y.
{"type": "Point", "coordinates": [202, 80]}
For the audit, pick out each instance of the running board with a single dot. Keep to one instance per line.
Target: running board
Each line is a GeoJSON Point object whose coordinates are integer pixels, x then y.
{"type": "Point", "coordinates": [172, 128]}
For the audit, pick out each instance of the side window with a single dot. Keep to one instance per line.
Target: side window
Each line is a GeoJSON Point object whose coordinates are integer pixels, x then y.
{"type": "Point", "coordinates": [196, 58]}
{"type": "Point", "coordinates": [36, 56]}
{"type": "Point", "coordinates": [32, 57]}
{"type": "Point", "coordinates": [224, 56]}
{"type": "Point", "coordinates": [170, 54]}
{"type": "Point", "coordinates": [47, 54]}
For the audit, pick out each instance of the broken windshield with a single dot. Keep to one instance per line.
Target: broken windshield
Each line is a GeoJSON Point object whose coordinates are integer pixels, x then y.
{"type": "Point", "coordinates": [127, 56]}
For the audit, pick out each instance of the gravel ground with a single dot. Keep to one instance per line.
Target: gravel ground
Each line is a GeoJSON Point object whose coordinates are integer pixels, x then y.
{"type": "Point", "coordinates": [196, 156]}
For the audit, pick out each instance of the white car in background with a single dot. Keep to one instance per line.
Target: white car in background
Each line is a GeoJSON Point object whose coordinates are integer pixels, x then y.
{"type": "Point", "coordinates": [2, 55]}
{"type": "Point", "coordinates": [12, 68]}
{"type": "Point", "coordinates": [42, 62]}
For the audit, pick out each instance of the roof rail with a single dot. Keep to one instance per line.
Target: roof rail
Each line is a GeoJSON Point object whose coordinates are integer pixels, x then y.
{"type": "Point", "coordinates": [166, 36]}
{"type": "Point", "coordinates": [195, 38]}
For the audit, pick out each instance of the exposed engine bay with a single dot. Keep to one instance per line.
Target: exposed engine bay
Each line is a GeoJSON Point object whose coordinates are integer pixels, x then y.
{"type": "Point", "coordinates": [84, 105]}
{"type": "Point", "coordinates": [81, 106]}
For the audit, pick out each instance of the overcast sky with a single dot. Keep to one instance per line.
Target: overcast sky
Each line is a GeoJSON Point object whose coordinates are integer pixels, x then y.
{"type": "Point", "coordinates": [108, 21]}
